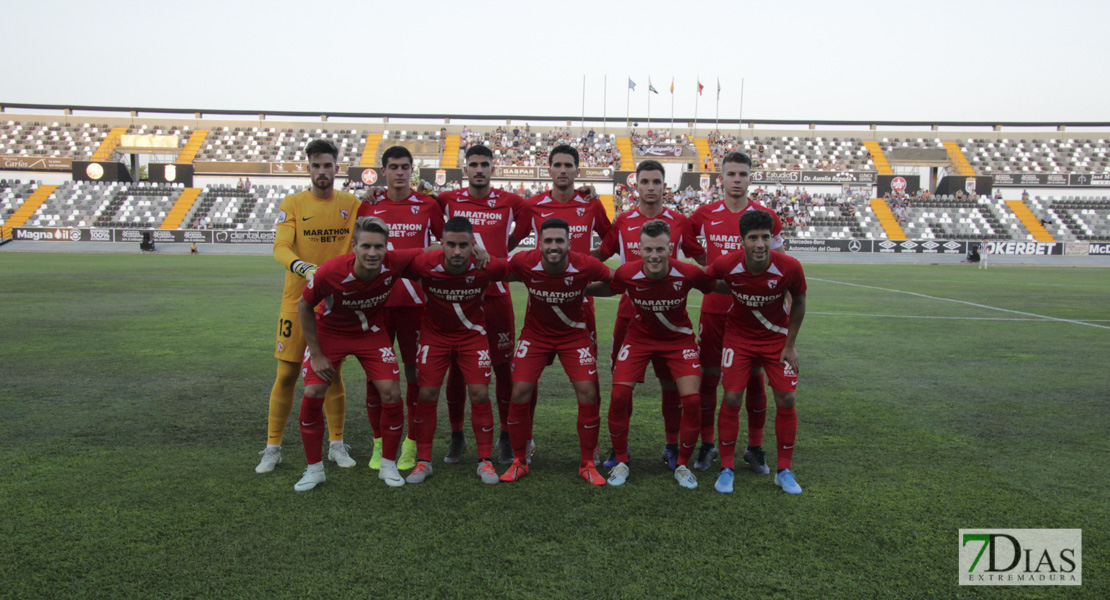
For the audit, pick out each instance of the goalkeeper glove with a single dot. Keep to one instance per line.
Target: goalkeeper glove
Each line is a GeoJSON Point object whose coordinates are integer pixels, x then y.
{"type": "Point", "coordinates": [304, 269]}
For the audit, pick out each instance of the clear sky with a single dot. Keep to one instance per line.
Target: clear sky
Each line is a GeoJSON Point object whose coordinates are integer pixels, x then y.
{"type": "Point", "coordinates": [945, 60]}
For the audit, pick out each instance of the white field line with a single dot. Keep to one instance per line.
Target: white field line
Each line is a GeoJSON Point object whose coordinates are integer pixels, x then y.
{"type": "Point", "coordinates": [977, 305]}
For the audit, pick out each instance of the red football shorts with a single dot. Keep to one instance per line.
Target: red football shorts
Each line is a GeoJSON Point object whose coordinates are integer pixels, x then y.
{"type": "Point", "coordinates": [575, 352]}
{"type": "Point", "coordinates": [739, 357]}
{"type": "Point", "coordinates": [711, 335]}
{"type": "Point", "coordinates": [658, 362]}
{"type": "Point", "coordinates": [403, 325]}
{"type": "Point", "coordinates": [671, 359]}
{"type": "Point", "coordinates": [472, 355]}
{"type": "Point", "coordinates": [374, 351]}
{"type": "Point", "coordinates": [501, 328]}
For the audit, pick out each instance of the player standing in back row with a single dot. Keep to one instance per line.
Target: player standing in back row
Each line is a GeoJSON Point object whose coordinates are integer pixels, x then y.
{"type": "Point", "coordinates": [413, 219]}
{"type": "Point", "coordinates": [718, 224]}
{"type": "Point", "coordinates": [761, 332]}
{"type": "Point", "coordinates": [312, 226]}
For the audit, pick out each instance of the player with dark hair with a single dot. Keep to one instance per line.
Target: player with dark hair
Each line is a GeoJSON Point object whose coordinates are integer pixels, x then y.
{"type": "Point", "coordinates": [413, 219]}
{"type": "Point", "coordinates": [584, 214]}
{"type": "Point", "coordinates": [760, 331]}
{"type": "Point", "coordinates": [492, 213]}
{"type": "Point", "coordinates": [453, 334]}
{"type": "Point", "coordinates": [555, 277]}
{"type": "Point", "coordinates": [659, 332]}
{"type": "Point", "coordinates": [312, 226]}
{"type": "Point", "coordinates": [718, 224]}
{"type": "Point", "coordinates": [348, 293]}
{"type": "Point", "coordinates": [624, 239]}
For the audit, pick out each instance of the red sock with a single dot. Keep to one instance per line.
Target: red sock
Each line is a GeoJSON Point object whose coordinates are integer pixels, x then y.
{"type": "Point", "coordinates": [456, 399]}
{"type": "Point", "coordinates": [520, 428]}
{"type": "Point", "coordinates": [312, 434]}
{"type": "Point", "coordinates": [374, 410]}
{"type": "Point", "coordinates": [412, 397]}
{"type": "Point", "coordinates": [708, 396]}
{"type": "Point", "coordinates": [589, 421]}
{"type": "Point", "coordinates": [504, 391]}
{"type": "Point", "coordinates": [620, 407]}
{"type": "Point", "coordinates": [728, 427]}
{"type": "Point", "coordinates": [690, 429]}
{"type": "Point", "coordinates": [786, 431]}
{"type": "Point", "coordinates": [393, 419]}
{"type": "Point", "coordinates": [672, 415]}
{"type": "Point", "coordinates": [532, 403]}
{"type": "Point", "coordinates": [757, 409]}
{"type": "Point", "coordinates": [481, 419]}
{"type": "Point", "coordinates": [426, 413]}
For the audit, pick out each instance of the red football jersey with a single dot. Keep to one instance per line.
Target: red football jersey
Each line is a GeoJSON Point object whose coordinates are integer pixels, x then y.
{"type": "Point", "coordinates": [555, 306]}
{"type": "Point", "coordinates": [759, 301]}
{"type": "Point", "coordinates": [454, 301]}
{"type": "Point", "coordinates": [491, 217]}
{"type": "Point", "coordinates": [412, 223]}
{"type": "Point", "coordinates": [660, 306]}
{"type": "Point", "coordinates": [347, 305]}
{"type": "Point", "coordinates": [720, 229]}
{"type": "Point", "coordinates": [624, 239]}
{"type": "Point", "coordinates": [584, 216]}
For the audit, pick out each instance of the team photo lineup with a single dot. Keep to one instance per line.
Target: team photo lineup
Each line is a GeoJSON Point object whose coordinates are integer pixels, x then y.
{"type": "Point", "coordinates": [429, 275]}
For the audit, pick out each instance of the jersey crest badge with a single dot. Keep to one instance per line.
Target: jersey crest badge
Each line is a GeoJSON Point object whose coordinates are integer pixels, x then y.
{"type": "Point", "coordinates": [581, 212]}
{"type": "Point", "coordinates": [469, 279]}
{"type": "Point", "coordinates": [389, 281]}
{"type": "Point", "coordinates": [771, 284]}
{"type": "Point", "coordinates": [416, 210]}
{"type": "Point", "coordinates": [568, 280]}
{"type": "Point", "coordinates": [678, 286]}
{"type": "Point", "coordinates": [491, 202]}
{"type": "Point", "coordinates": [343, 214]}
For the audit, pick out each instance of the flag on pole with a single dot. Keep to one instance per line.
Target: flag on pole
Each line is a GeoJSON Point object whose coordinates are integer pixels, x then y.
{"type": "Point", "coordinates": [718, 88]}
{"type": "Point", "coordinates": [672, 85]}
{"type": "Point", "coordinates": [700, 87]}
{"type": "Point", "coordinates": [631, 84]}
{"type": "Point", "coordinates": [651, 88]}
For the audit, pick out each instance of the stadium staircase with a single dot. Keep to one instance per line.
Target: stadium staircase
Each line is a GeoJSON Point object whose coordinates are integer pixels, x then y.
{"type": "Point", "coordinates": [958, 159]}
{"type": "Point", "coordinates": [702, 146]}
{"type": "Point", "coordinates": [28, 208]}
{"type": "Point", "coordinates": [450, 158]}
{"type": "Point", "coordinates": [370, 150]}
{"type": "Point", "coordinates": [1030, 221]}
{"type": "Point", "coordinates": [628, 161]}
{"type": "Point", "coordinates": [879, 160]}
{"type": "Point", "coordinates": [108, 146]}
{"type": "Point", "coordinates": [607, 202]}
{"type": "Point", "coordinates": [181, 208]}
{"type": "Point", "coordinates": [189, 152]}
{"type": "Point", "coordinates": [886, 219]}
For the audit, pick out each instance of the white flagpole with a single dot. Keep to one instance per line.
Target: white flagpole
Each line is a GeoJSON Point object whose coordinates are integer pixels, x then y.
{"type": "Point", "coordinates": [740, 121]}
{"type": "Point", "coordinates": [604, 104]}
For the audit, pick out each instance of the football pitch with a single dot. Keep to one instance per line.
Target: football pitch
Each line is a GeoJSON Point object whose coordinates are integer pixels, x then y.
{"type": "Point", "coordinates": [932, 398]}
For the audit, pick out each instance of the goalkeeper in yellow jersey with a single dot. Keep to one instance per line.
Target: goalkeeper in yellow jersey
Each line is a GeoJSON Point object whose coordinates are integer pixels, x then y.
{"type": "Point", "coordinates": [312, 226]}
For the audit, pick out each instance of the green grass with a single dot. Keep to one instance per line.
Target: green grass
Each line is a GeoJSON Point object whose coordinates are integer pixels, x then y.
{"type": "Point", "coordinates": [134, 399]}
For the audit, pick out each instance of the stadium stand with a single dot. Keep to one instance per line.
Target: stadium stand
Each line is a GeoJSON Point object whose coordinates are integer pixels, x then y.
{"type": "Point", "coordinates": [226, 207]}
{"type": "Point", "coordinates": [12, 194]}
{"type": "Point", "coordinates": [1074, 219]}
{"type": "Point", "coordinates": [51, 139]}
{"type": "Point", "coordinates": [782, 152]}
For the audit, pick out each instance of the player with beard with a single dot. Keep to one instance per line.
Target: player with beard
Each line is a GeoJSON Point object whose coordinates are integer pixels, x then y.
{"type": "Point", "coordinates": [660, 332]}
{"type": "Point", "coordinates": [453, 335]}
{"type": "Point", "coordinates": [719, 225]}
{"type": "Point", "coordinates": [313, 226]}
{"type": "Point", "coordinates": [492, 214]}
{"type": "Point", "coordinates": [554, 325]}
{"type": "Point", "coordinates": [760, 331]}
{"type": "Point", "coordinates": [584, 214]}
{"type": "Point", "coordinates": [624, 239]}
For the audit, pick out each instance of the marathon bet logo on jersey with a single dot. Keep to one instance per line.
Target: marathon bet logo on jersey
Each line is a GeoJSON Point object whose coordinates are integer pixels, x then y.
{"type": "Point", "coordinates": [1021, 557]}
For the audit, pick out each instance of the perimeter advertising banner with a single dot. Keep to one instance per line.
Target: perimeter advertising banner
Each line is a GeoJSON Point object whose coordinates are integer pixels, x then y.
{"type": "Point", "coordinates": [519, 173]}
{"type": "Point", "coordinates": [101, 170]}
{"type": "Point", "coordinates": [35, 163]}
{"type": "Point", "coordinates": [1051, 179]}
